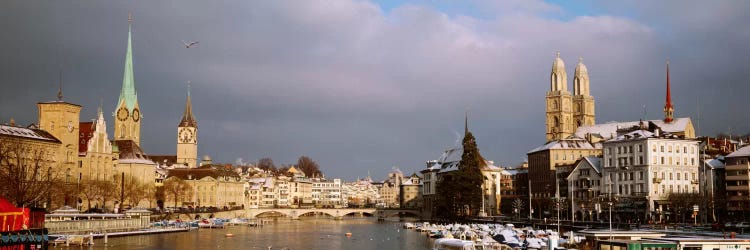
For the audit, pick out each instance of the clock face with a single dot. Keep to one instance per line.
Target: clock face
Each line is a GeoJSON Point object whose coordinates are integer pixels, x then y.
{"type": "Point", "coordinates": [185, 135]}
{"type": "Point", "coordinates": [136, 115]}
{"type": "Point", "coordinates": [122, 114]}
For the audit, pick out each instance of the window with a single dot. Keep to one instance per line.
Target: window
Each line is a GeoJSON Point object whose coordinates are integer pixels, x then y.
{"type": "Point", "coordinates": [669, 149]}
{"type": "Point", "coordinates": [662, 148]}
{"type": "Point", "coordinates": [640, 148]}
{"type": "Point", "coordinates": [693, 174]}
{"type": "Point", "coordinates": [619, 150]}
{"type": "Point", "coordinates": [609, 151]}
{"type": "Point", "coordinates": [610, 162]}
{"type": "Point", "coordinates": [631, 149]}
{"type": "Point", "coordinates": [662, 175]}
{"type": "Point", "coordinates": [631, 176]}
{"type": "Point", "coordinates": [653, 148]}
{"type": "Point", "coordinates": [692, 161]}
{"type": "Point", "coordinates": [662, 160]}
{"type": "Point", "coordinates": [684, 150]}
{"type": "Point", "coordinates": [678, 176]}
{"type": "Point", "coordinates": [686, 176]}
{"type": "Point", "coordinates": [670, 160]}
{"type": "Point", "coordinates": [640, 160]}
{"type": "Point", "coordinates": [670, 176]}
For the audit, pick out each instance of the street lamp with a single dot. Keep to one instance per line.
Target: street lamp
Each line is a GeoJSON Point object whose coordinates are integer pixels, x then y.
{"type": "Point", "coordinates": [610, 217]}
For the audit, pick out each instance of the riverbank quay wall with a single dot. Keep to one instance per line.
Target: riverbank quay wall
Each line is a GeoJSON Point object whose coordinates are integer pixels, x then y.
{"type": "Point", "coordinates": [86, 226]}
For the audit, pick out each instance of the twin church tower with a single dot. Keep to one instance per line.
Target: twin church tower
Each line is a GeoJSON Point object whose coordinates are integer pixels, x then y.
{"type": "Point", "coordinates": [566, 112]}
{"type": "Point", "coordinates": [128, 115]}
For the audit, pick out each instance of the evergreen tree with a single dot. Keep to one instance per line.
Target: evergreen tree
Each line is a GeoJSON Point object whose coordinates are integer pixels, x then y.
{"type": "Point", "coordinates": [470, 176]}
{"type": "Point", "coordinates": [459, 193]}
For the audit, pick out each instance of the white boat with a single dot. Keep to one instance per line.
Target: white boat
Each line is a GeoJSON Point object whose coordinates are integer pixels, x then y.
{"type": "Point", "coordinates": [408, 225]}
{"type": "Point", "coordinates": [453, 244]}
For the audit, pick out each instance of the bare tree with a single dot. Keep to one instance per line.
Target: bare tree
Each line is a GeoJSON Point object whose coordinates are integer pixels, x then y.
{"type": "Point", "coordinates": [177, 189]}
{"type": "Point", "coordinates": [134, 191]}
{"type": "Point", "coordinates": [308, 166]}
{"type": "Point", "coordinates": [266, 164]}
{"type": "Point", "coordinates": [27, 172]}
{"type": "Point", "coordinates": [106, 191]}
{"type": "Point", "coordinates": [89, 191]}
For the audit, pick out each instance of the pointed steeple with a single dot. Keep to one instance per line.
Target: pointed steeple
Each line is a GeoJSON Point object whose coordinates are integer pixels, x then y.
{"type": "Point", "coordinates": [188, 120]}
{"type": "Point", "coordinates": [668, 108]}
{"type": "Point", "coordinates": [128, 94]}
{"type": "Point", "coordinates": [466, 123]}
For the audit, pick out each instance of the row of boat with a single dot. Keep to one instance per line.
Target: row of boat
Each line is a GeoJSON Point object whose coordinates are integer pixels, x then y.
{"type": "Point", "coordinates": [487, 236]}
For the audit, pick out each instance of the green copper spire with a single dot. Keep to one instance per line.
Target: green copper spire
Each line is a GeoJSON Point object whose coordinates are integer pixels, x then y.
{"type": "Point", "coordinates": [128, 93]}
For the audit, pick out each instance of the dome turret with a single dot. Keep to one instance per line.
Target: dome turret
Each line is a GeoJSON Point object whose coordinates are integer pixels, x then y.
{"type": "Point", "coordinates": [581, 79]}
{"type": "Point", "coordinates": [558, 78]}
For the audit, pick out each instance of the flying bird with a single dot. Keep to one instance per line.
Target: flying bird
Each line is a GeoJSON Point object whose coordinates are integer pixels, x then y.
{"type": "Point", "coordinates": [189, 44]}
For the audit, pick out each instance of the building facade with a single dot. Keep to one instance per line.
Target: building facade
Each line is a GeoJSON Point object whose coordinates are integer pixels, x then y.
{"type": "Point", "coordinates": [411, 192]}
{"type": "Point", "coordinates": [737, 177]}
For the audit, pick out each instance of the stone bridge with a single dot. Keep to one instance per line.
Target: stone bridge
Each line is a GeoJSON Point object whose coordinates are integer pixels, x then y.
{"type": "Point", "coordinates": [336, 213]}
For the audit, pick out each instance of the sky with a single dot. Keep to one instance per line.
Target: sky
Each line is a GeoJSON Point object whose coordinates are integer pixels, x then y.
{"type": "Point", "coordinates": [362, 86]}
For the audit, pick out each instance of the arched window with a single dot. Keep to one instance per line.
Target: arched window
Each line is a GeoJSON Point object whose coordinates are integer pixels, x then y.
{"type": "Point", "coordinates": [555, 105]}
{"type": "Point", "coordinates": [556, 122]}
{"type": "Point", "coordinates": [122, 131]}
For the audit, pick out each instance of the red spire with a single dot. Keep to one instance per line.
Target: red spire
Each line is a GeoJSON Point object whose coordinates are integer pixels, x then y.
{"type": "Point", "coordinates": [668, 108]}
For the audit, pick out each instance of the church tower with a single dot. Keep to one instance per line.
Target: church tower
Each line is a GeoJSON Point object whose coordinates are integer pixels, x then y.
{"type": "Point", "coordinates": [62, 120]}
{"type": "Point", "coordinates": [187, 136]}
{"type": "Point", "coordinates": [559, 118]}
{"type": "Point", "coordinates": [128, 114]}
{"type": "Point", "coordinates": [668, 108]}
{"type": "Point", "coordinates": [583, 102]}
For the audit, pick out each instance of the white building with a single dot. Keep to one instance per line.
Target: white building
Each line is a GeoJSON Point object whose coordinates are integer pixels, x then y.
{"type": "Point", "coordinates": [643, 165]}
{"type": "Point", "coordinates": [327, 193]}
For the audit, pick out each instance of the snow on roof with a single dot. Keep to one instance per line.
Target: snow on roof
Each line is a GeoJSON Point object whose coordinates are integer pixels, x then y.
{"type": "Point", "coordinates": [715, 163]}
{"type": "Point", "coordinates": [567, 143]}
{"type": "Point", "coordinates": [595, 162]}
{"type": "Point", "coordinates": [29, 133]}
{"type": "Point", "coordinates": [636, 134]}
{"type": "Point", "coordinates": [411, 182]}
{"type": "Point", "coordinates": [742, 152]}
{"type": "Point", "coordinates": [609, 130]}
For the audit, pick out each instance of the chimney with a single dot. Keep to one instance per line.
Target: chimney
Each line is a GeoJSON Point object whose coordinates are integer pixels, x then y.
{"type": "Point", "coordinates": [656, 132]}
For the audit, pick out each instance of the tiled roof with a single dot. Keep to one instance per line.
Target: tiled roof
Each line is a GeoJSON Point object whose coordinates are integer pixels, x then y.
{"type": "Point", "coordinates": [129, 151]}
{"type": "Point", "coordinates": [27, 133]}
{"type": "Point", "coordinates": [86, 130]}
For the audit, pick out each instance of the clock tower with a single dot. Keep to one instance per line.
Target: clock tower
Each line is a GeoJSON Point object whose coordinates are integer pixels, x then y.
{"type": "Point", "coordinates": [128, 114]}
{"type": "Point", "coordinates": [187, 137]}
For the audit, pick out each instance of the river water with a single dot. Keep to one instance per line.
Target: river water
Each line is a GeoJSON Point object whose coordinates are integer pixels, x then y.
{"type": "Point", "coordinates": [367, 233]}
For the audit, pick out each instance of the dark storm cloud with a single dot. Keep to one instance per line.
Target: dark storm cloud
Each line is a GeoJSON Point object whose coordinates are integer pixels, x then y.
{"type": "Point", "coordinates": [359, 88]}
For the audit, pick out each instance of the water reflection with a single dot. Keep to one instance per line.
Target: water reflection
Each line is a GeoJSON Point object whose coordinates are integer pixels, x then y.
{"type": "Point", "coordinates": [309, 233]}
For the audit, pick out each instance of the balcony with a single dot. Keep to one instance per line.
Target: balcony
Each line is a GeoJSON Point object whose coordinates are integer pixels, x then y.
{"type": "Point", "coordinates": [657, 180]}
{"type": "Point", "coordinates": [737, 188]}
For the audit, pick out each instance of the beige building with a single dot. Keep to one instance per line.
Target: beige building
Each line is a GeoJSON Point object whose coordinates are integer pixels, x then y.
{"type": "Point", "coordinates": [391, 189]}
{"type": "Point", "coordinates": [544, 160]}
{"type": "Point", "coordinates": [61, 119]}
{"type": "Point", "coordinates": [566, 112]}
{"type": "Point", "coordinates": [213, 186]}
{"type": "Point", "coordinates": [411, 192]}
{"type": "Point", "coordinates": [96, 153]}
{"type": "Point", "coordinates": [29, 147]}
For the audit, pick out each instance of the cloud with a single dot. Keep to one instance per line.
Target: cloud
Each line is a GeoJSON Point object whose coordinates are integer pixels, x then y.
{"type": "Point", "coordinates": [360, 88]}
